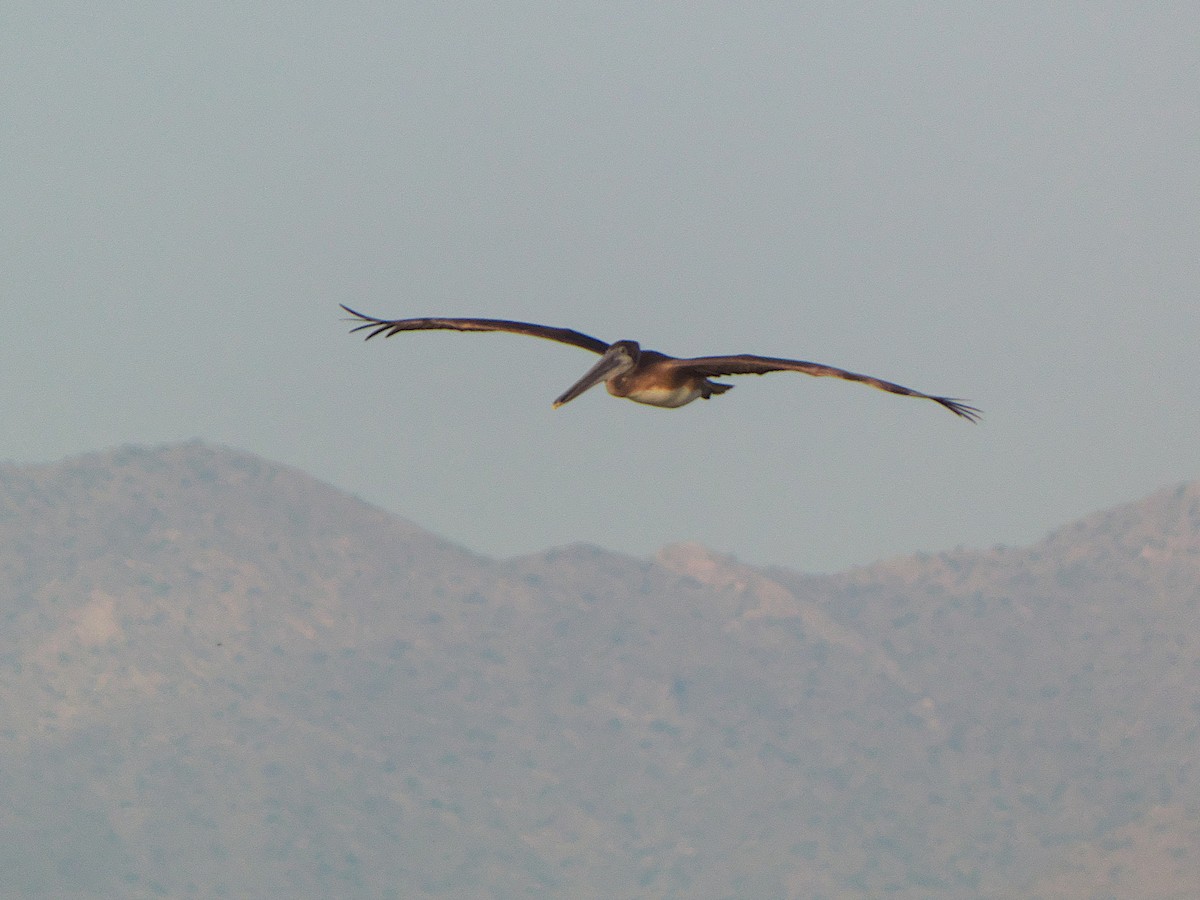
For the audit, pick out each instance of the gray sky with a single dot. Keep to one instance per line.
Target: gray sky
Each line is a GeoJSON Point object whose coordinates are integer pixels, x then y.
{"type": "Point", "coordinates": [999, 202]}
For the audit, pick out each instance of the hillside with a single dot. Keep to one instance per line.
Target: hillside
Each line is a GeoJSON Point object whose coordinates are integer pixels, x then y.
{"type": "Point", "coordinates": [224, 678]}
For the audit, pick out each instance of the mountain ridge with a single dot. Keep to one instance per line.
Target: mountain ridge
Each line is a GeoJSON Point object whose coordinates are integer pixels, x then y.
{"type": "Point", "coordinates": [223, 677]}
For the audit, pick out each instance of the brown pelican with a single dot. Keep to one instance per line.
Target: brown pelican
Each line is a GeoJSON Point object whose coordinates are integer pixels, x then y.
{"type": "Point", "coordinates": [646, 376]}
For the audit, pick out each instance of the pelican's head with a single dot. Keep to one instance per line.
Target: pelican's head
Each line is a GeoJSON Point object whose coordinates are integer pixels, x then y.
{"type": "Point", "coordinates": [619, 357]}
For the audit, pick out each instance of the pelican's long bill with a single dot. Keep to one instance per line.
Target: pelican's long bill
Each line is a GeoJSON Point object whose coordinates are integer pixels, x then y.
{"type": "Point", "coordinates": [616, 359]}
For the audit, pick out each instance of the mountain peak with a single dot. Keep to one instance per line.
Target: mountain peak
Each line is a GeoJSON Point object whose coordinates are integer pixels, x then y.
{"type": "Point", "coordinates": [1162, 527]}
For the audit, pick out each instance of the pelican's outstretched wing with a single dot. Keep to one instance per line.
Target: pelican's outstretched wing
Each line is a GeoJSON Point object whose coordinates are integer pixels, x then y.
{"type": "Point", "coordinates": [562, 335]}
{"type": "Point", "coordinates": [746, 364]}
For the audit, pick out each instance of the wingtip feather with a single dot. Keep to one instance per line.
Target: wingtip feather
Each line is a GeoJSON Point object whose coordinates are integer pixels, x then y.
{"type": "Point", "coordinates": [961, 408]}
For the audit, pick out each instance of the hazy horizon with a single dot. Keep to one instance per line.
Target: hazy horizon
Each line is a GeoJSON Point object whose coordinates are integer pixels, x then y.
{"type": "Point", "coordinates": [225, 678]}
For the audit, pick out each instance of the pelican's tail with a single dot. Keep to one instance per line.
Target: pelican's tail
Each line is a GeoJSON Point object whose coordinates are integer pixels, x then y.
{"type": "Point", "coordinates": [709, 388]}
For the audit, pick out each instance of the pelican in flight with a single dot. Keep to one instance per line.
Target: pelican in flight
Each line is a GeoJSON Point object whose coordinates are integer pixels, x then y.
{"type": "Point", "coordinates": [646, 376]}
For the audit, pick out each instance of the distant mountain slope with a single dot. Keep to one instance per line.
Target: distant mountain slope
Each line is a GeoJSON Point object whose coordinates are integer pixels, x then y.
{"type": "Point", "coordinates": [222, 677]}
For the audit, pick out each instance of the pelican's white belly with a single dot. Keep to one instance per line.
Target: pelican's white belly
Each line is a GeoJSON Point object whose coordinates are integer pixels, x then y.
{"type": "Point", "coordinates": [662, 396]}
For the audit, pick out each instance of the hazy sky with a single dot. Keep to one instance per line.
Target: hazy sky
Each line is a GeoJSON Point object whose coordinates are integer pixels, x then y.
{"type": "Point", "coordinates": [999, 202]}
